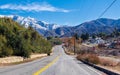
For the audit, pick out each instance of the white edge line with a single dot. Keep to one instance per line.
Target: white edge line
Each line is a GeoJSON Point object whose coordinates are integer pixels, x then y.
{"type": "Point", "coordinates": [91, 68]}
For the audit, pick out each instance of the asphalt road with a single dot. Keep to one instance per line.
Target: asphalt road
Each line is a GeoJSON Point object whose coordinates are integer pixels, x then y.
{"type": "Point", "coordinates": [57, 64]}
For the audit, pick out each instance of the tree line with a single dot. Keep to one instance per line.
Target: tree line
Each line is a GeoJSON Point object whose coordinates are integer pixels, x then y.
{"type": "Point", "coordinates": [20, 41]}
{"type": "Point", "coordinates": [103, 35]}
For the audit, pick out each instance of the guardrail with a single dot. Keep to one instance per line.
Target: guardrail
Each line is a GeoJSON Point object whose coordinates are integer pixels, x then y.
{"type": "Point", "coordinates": [100, 69]}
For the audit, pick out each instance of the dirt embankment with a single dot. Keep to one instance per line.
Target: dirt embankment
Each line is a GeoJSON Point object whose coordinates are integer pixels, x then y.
{"type": "Point", "coordinates": [12, 60]}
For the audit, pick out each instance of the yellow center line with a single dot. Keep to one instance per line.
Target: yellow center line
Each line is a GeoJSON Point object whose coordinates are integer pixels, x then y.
{"type": "Point", "coordinates": [47, 66]}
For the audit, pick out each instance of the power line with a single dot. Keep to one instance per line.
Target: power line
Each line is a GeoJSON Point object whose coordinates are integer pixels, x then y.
{"type": "Point", "coordinates": [107, 8]}
{"type": "Point", "coordinates": [105, 12]}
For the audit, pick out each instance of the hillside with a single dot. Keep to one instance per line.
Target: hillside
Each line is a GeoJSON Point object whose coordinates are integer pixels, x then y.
{"type": "Point", "coordinates": [92, 27]}
{"type": "Point", "coordinates": [99, 25]}
{"type": "Point", "coordinates": [20, 41]}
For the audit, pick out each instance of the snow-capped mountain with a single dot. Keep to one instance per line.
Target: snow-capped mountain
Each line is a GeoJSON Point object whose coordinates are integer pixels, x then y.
{"type": "Point", "coordinates": [42, 27]}
{"type": "Point", "coordinates": [28, 21]}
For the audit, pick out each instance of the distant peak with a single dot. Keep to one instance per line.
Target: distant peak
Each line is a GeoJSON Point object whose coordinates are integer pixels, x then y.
{"type": "Point", "coordinates": [31, 18]}
{"type": "Point", "coordinates": [45, 22]}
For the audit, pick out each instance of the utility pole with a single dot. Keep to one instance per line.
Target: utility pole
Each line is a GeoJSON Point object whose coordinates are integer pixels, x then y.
{"type": "Point", "coordinates": [74, 45]}
{"type": "Point", "coordinates": [35, 27]}
{"type": "Point", "coordinates": [75, 38]}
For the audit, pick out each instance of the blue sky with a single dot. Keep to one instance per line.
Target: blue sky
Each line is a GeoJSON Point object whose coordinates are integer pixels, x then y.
{"type": "Point", "coordinates": [62, 12]}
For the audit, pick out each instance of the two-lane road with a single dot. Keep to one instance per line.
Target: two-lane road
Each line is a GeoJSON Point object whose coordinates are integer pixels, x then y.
{"type": "Point", "coordinates": [57, 64]}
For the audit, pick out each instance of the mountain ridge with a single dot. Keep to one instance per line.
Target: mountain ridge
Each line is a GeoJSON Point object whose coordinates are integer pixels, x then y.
{"type": "Point", "coordinates": [92, 27]}
{"type": "Point", "coordinates": [41, 26]}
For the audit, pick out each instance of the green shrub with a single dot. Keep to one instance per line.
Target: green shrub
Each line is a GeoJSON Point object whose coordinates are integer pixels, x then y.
{"type": "Point", "coordinates": [20, 41]}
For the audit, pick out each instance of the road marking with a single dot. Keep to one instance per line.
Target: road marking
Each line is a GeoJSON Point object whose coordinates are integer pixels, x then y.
{"type": "Point", "coordinates": [90, 68]}
{"type": "Point", "coordinates": [47, 66]}
{"type": "Point", "coordinates": [93, 70]}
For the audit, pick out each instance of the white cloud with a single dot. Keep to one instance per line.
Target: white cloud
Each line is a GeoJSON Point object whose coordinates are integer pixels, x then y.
{"type": "Point", "coordinates": [33, 7]}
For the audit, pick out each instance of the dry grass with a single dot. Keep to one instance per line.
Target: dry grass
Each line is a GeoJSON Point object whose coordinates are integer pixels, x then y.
{"type": "Point", "coordinates": [92, 58]}
{"type": "Point", "coordinates": [20, 62]}
{"type": "Point", "coordinates": [115, 69]}
{"type": "Point", "coordinates": [108, 62]}
{"type": "Point", "coordinates": [67, 51]}
{"type": "Point", "coordinates": [13, 60]}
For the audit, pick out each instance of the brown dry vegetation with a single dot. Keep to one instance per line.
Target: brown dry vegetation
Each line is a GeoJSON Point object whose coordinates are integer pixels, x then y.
{"type": "Point", "coordinates": [87, 53]}
{"type": "Point", "coordinates": [92, 58]}
{"type": "Point", "coordinates": [13, 60]}
{"type": "Point", "coordinates": [69, 44]}
{"type": "Point", "coordinates": [108, 62]}
{"type": "Point", "coordinates": [102, 62]}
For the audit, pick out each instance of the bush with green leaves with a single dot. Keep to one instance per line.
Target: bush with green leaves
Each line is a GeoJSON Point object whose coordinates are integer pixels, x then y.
{"type": "Point", "coordinates": [20, 41]}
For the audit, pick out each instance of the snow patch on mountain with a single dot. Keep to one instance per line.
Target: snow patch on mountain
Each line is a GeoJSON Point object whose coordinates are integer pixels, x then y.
{"type": "Point", "coordinates": [29, 21]}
